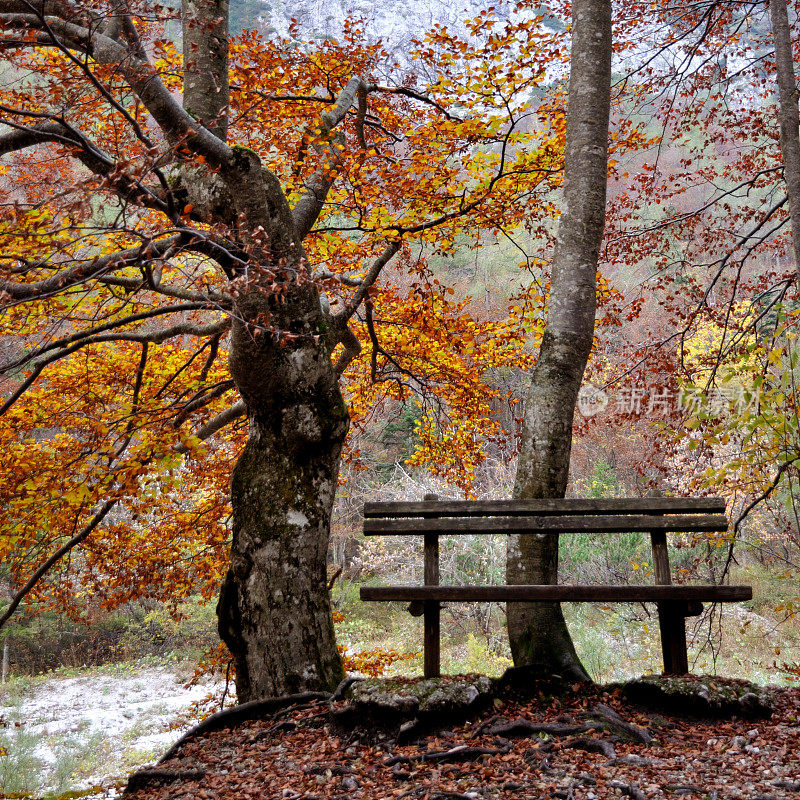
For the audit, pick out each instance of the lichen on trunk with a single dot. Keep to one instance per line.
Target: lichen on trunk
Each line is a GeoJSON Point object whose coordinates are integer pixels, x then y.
{"type": "Point", "coordinates": [274, 610]}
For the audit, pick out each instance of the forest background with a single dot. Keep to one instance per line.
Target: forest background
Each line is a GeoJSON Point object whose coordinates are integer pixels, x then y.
{"type": "Point", "coordinates": [695, 354]}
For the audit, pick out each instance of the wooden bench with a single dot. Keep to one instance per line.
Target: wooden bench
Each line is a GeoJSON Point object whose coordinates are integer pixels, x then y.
{"type": "Point", "coordinates": [657, 516]}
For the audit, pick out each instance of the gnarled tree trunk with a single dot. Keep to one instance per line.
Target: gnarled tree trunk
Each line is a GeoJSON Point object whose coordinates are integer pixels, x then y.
{"type": "Point", "coordinates": [537, 631]}
{"type": "Point", "coordinates": [274, 609]}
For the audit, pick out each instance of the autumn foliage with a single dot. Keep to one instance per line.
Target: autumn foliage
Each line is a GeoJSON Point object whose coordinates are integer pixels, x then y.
{"type": "Point", "coordinates": [116, 314]}
{"type": "Point", "coordinates": [118, 291]}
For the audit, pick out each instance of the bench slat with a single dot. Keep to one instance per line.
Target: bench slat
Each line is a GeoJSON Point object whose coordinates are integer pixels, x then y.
{"type": "Point", "coordinates": [547, 507]}
{"type": "Point", "coordinates": [560, 593]}
{"type": "Point", "coordinates": [547, 524]}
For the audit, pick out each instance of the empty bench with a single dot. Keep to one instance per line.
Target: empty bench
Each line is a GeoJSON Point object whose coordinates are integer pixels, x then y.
{"type": "Point", "coordinates": [657, 516]}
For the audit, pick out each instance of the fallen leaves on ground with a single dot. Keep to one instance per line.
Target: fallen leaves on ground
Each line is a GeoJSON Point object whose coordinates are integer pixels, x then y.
{"type": "Point", "coordinates": [300, 753]}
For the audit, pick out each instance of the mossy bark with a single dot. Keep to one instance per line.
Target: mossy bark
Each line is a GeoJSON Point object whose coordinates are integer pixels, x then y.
{"type": "Point", "coordinates": [274, 610]}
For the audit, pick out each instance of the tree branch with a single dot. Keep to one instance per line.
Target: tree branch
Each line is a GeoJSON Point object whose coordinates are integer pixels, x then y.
{"type": "Point", "coordinates": [85, 270]}
{"type": "Point", "coordinates": [177, 124]}
{"type": "Point", "coordinates": [154, 337]}
{"type": "Point", "coordinates": [60, 553]}
{"type": "Point", "coordinates": [308, 208]}
{"type": "Point", "coordinates": [414, 95]}
{"type": "Point", "coordinates": [369, 279]}
{"type": "Point", "coordinates": [352, 348]}
{"type": "Point", "coordinates": [85, 151]}
{"type": "Point", "coordinates": [107, 326]}
{"type": "Point", "coordinates": [224, 418]}
{"type": "Point", "coordinates": [766, 493]}
{"type": "Point", "coordinates": [201, 399]}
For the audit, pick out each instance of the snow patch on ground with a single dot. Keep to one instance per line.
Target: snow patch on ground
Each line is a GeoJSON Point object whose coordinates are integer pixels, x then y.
{"type": "Point", "coordinates": [107, 725]}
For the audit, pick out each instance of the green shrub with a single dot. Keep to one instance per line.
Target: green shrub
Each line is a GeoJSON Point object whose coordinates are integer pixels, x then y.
{"type": "Point", "coordinates": [49, 641]}
{"type": "Point", "coordinates": [20, 768]}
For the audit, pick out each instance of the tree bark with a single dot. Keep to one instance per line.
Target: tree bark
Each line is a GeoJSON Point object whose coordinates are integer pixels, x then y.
{"type": "Point", "coordinates": [206, 87]}
{"type": "Point", "coordinates": [788, 116]}
{"type": "Point", "coordinates": [274, 609]}
{"type": "Point", "coordinates": [537, 631]}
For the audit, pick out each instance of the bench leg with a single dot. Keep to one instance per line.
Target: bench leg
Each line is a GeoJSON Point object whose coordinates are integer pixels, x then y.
{"type": "Point", "coordinates": [671, 621]}
{"type": "Point", "coordinates": [433, 667]}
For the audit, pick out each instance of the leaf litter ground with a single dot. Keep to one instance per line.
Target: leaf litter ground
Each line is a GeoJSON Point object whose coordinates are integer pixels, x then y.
{"type": "Point", "coordinates": [301, 752]}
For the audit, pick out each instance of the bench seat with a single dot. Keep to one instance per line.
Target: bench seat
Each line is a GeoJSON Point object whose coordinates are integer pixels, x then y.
{"type": "Point", "coordinates": [567, 593]}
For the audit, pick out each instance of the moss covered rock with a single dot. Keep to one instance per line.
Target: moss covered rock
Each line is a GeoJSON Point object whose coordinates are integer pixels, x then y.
{"type": "Point", "coordinates": [409, 706]}
{"type": "Point", "coordinates": [700, 695]}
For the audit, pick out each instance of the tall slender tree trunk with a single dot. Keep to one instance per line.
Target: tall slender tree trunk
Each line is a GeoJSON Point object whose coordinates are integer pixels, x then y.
{"type": "Point", "coordinates": [788, 116]}
{"type": "Point", "coordinates": [537, 631]}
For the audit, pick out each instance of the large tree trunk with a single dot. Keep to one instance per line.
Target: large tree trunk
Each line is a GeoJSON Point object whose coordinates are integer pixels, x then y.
{"type": "Point", "coordinates": [537, 631]}
{"type": "Point", "coordinates": [274, 609]}
{"type": "Point", "coordinates": [788, 116]}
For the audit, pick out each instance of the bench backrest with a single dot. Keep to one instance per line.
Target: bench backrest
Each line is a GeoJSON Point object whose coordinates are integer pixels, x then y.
{"type": "Point", "coordinates": [548, 507]}
{"type": "Point", "coordinates": [656, 515]}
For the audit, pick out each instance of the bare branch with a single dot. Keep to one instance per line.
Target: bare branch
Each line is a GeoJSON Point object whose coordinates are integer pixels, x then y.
{"type": "Point", "coordinates": [378, 350]}
{"type": "Point", "coordinates": [48, 8]}
{"type": "Point", "coordinates": [137, 388]}
{"type": "Point", "coordinates": [414, 95]}
{"type": "Point", "coordinates": [85, 151]}
{"type": "Point", "coordinates": [21, 137]}
{"type": "Point", "coordinates": [201, 399]}
{"type": "Point", "coordinates": [766, 493]}
{"type": "Point", "coordinates": [361, 115]}
{"type": "Point", "coordinates": [310, 205]}
{"type": "Point", "coordinates": [107, 326]}
{"type": "Point", "coordinates": [59, 554]}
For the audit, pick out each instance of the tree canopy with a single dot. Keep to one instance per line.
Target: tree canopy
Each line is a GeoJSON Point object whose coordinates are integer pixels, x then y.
{"type": "Point", "coordinates": [223, 251]}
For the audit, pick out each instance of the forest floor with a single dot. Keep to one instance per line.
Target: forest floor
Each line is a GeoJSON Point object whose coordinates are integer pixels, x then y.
{"type": "Point", "coordinates": [301, 752]}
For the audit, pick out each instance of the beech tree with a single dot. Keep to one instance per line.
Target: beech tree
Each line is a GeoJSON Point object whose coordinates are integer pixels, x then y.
{"type": "Point", "coordinates": [537, 632]}
{"type": "Point", "coordinates": [148, 238]}
{"type": "Point", "coordinates": [787, 115]}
